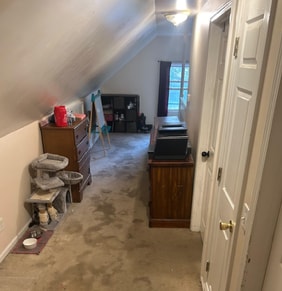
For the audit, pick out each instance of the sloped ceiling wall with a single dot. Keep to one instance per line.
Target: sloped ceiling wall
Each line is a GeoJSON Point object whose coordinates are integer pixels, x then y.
{"type": "Point", "coordinates": [55, 51]}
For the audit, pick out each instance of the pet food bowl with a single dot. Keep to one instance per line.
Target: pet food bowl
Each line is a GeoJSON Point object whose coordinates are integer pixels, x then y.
{"type": "Point", "coordinates": [30, 243]}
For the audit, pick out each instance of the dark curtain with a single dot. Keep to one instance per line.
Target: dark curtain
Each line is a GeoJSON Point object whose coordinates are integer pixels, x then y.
{"type": "Point", "coordinates": [163, 88]}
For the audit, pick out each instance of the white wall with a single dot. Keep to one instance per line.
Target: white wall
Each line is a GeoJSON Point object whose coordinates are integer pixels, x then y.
{"type": "Point", "coordinates": [17, 150]}
{"type": "Point", "coordinates": [141, 75]}
{"type": "Point", "coordinates": [53, 52]}
{"type": "Point", "coordinates": [198, 65]}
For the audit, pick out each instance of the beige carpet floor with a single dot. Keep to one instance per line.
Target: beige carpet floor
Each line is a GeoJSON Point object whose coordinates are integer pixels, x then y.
{"type": "Point", "coordinates": [104, 243]}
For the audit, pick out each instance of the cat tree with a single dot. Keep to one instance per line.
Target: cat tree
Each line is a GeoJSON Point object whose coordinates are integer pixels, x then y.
{"type": "Point", "coordinates": [51, 189]}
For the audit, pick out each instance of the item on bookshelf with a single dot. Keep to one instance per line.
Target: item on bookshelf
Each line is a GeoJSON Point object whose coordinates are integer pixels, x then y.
{"type": "Point", "coordinates": [121, 111]}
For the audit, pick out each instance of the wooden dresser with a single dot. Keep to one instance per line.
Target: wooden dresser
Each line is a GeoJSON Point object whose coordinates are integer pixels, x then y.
{"type": "Point", "coordinates": [171, 187]}
{"type": "Point", "coordinates": [171, 192]}
{"type": "Point", "coordinates": [71, 142]}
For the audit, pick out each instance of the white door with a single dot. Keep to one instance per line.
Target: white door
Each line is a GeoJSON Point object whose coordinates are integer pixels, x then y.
{"type": "Point", "coordinates": [219, 35]}
{"type": "Point", "coordinates": [242, 93]}
{"type": "Point", "coordinates": [217, 54]}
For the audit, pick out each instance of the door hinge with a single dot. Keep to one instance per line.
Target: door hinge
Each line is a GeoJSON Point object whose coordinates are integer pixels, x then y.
{"type": "Point", "coordinates": [219, 173]}
{"type": "Point", "coordinates": [208, 266]}
{"type": "Point", "coordinates": [236, 47]}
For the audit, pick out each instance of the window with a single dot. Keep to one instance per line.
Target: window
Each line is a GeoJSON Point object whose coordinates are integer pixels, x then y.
{"type": "Point", "coordinates": [175, 86]}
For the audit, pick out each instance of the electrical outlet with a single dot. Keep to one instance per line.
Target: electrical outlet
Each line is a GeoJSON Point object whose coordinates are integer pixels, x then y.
{"type": "Point", "coordinates": [1, 223]}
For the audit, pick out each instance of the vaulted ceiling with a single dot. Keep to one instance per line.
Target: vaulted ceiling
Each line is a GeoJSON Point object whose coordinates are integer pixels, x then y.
{"type": "Point", "coordinates": [55, 51]}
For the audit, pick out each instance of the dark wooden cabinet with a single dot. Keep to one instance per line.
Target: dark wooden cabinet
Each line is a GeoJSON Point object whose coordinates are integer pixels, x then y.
{"type": "Point", "coordinates": [171, 189]}
{"type": "Point", "coordinates": [72, 142]}
{"type": "Point", "coordinates": [171, 185]}
{"type": "Point", "coordinates": [121, 111]}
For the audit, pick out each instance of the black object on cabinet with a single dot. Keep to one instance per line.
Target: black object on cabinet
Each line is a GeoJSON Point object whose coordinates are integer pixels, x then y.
{"type": "Point", "coordinates": [121, 111]}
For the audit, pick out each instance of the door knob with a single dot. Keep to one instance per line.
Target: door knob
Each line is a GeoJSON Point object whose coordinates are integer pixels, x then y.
{"type": "Point", "coordinates": [206, 154]}
{"type": "Point", "coordinates": [225, 225]}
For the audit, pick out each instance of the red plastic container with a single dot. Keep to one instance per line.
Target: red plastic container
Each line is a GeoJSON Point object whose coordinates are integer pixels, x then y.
{"type": "Point", "coordinates": [60, 113]}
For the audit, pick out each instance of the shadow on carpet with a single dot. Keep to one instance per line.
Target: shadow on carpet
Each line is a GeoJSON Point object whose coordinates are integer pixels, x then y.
{"type": "Point", "coordinates": [41, 243]}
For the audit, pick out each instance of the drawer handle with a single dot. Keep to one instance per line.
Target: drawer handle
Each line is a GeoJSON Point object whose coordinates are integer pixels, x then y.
{"type": "Point", "coordinates": [79, 152]}
{"type": "Point", "coordinates": [77, 136]}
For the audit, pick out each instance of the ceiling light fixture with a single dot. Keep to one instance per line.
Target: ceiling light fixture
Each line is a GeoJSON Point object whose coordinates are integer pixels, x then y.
{"type": "Point", "coordinates": [177, 17]}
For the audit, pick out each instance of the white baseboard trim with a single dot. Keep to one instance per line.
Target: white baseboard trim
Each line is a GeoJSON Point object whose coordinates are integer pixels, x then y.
{"type": "Point", "coordinates": [10, 246]}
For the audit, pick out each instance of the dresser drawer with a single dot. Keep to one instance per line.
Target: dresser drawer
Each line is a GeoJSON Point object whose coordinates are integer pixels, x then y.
{"type": "Point", "coordinates": [84, 167]}
{"type": "Point", "coordinates": [82, 148]}
{"type": "Point", "coordinates": [80, 131]}
{"type": "Point", "coordinates": [76, 155]}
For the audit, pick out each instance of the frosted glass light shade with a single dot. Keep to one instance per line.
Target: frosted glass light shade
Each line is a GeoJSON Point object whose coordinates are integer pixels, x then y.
{"type": "Point", "coordinates": [177, 18]}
